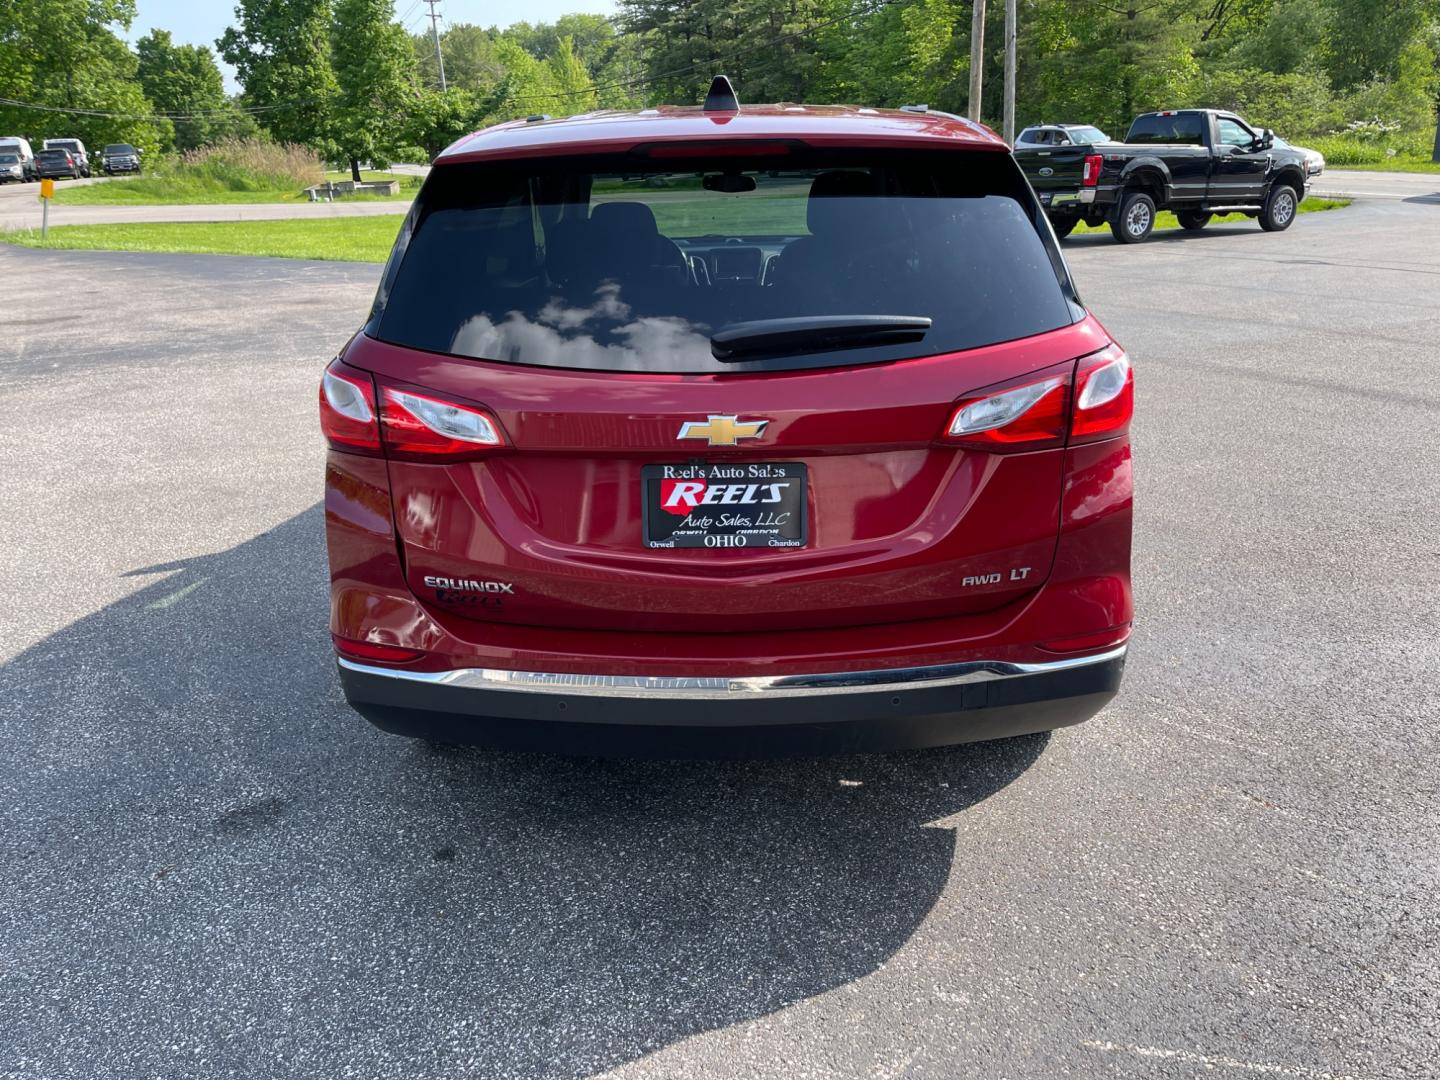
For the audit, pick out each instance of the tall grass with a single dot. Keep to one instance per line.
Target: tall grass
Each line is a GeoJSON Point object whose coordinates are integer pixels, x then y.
{"type": "Point", "coordinates": [246, 165]}
{"type": "Point", "coordinates": [236, 170]}
{"type": "Point", "coordinates": [1370, 145]}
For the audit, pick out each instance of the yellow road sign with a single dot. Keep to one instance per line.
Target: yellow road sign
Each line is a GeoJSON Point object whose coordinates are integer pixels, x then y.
{"type": "Point", "coordinates": [47, 189]}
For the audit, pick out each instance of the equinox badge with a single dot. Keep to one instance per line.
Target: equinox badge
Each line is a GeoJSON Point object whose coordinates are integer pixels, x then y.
{"type": "Point", "coordinates": [723, 430]}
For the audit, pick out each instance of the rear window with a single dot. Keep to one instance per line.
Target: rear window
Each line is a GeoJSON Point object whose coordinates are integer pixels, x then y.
{"type": "Point", "coordinates": [1087, 136]}
{"type": "Point", "coordinates": [630, 263]}
{"type": "Point", "coordinates": [1182, 128]}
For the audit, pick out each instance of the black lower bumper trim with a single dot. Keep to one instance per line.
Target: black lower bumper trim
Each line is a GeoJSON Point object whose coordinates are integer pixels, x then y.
{"type": "Point", "coordinates": [863, 720]}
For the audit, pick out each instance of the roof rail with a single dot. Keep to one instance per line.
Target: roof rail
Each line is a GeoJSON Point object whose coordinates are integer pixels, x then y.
{"type": "Point", "coordinates": [915, 108]}
{"type": "Point", "coordinates": [535, 118]}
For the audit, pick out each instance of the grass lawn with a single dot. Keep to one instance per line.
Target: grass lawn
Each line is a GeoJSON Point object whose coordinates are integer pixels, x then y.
{"type": "Point", "coordinates": [159, 190]}
{"type": "Point", "coordinates": [1166, 220]}
{"type": "Point", "coordinates": [350, 239]}
{"type": "Point", "coordinates": [1419, 165]}
{"type": "Point", "coordinates": [368, 239]}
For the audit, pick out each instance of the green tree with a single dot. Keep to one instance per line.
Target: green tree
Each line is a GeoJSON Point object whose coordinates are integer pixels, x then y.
{"type": "Point", "coordinates": [375, 72]}
{"type": "Point", "coordinates": [592, 37]}
{"type": "Point", "coordinates": [574, 90]}
{"type": "Point", "coordinates": [903, 55]}
{"type": "Point", "coordinates": [619, 80]}
{"type": "Point", "coordinates": [527, 85]}
{"type": "Point", "coordinates": [1103, 64]}
{"type": "Point", "coordinates": [64, 55]}
{"type": "Point", "coordinates": [280, 50]}
{"type": "Point", "coordinates": [1367, 39]}
{"type": "Point", "coordinates": [768, 47]}
{"type": "Point", "coordinates": [435, 120]}
{"type": "Point", "coordinates": [184, 79]}
{"type": "Point", "coordinates": [470, 60]}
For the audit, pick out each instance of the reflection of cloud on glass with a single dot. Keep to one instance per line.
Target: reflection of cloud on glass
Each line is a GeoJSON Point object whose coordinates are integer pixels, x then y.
{"type": "Point", "coordinates": [607, 305]}
{"type": "Point", "coordinates": [566, 336]}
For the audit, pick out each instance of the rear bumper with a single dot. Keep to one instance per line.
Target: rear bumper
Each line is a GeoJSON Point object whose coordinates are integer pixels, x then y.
{"type": "Point", "coordinates": [1059, 200]}
{"type": "Point", "coordinates": [729, 717]}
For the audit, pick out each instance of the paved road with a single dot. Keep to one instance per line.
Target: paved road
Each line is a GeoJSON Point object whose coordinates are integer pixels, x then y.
{"type": "Point", "coordinates": [1352, 184]}
{"type": "Point", "coordinates": [208, 867]}
{"type": "Point", "coordinates": [20, 209]}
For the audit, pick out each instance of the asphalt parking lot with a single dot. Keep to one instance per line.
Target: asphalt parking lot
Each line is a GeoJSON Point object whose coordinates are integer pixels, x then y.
{"type": "Point", "coordinates": [209, 867]}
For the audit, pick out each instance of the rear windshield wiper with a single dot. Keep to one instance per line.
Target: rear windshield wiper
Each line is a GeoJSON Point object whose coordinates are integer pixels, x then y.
{"type": "Point", "coordinates": [811, 333]}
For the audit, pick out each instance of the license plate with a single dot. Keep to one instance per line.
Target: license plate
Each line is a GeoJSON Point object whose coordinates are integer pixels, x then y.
{"type": "Point", "coordinates": [754, 505]}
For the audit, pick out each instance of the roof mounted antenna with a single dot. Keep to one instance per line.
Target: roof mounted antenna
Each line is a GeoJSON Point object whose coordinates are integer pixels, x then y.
{"type": "Point", "coordinates": [721, 96]}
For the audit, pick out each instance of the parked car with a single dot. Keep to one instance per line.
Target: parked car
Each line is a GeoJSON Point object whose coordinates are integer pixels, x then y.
{"type": "Point", "coordinates": [119, 158]}
{"type": "Point", "coordinates": [77, 151]}
{"type": "Point", "coordinates": [18, 146]}
{"type": "Point", "coordinates": [829, 459]}
{"type": "Point", "coordinates": [1196, 162]}
{"type": "Point", "coordinates": [54, 164]}
{"type": "Point", "coordinates": [1314, 160]}
{"type": "Point", "coordinates": [1060, 135]}
{"type": "Point", "coordinates": [12, 168]}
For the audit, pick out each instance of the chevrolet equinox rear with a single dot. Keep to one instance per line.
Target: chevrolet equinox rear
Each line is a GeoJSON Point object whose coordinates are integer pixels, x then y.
{"type": "Point", "coordinates": [728, 431]}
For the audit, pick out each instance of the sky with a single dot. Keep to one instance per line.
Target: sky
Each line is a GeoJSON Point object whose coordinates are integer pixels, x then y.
{"type": "Point", "coordinates": [200, 22]}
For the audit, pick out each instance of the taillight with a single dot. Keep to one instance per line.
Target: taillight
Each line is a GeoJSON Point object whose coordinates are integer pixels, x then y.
{"type": "Point", "coordinates": [347, 409]}
{"type": "Point", "coordinates": [711, 148]}
{"type": "Point", "coordinates": [1035, 413]}
{"type": "Point", "coordinates": [1104, 396]}
{"type": "Point", "coordinates": [424, 425]}
{"type": "Point", "coordinates": [1029, 415]}
{"type": "Point", "coordinates": [1091, 176]}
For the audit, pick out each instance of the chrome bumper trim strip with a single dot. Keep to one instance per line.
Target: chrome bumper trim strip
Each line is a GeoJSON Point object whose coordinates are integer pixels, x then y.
{"type": "Point", "coordinates": [732, 688]}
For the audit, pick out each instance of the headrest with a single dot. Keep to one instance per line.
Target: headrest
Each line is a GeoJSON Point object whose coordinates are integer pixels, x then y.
{"type": "Point", "coordinates": [822, 218]}
{"type": "Point", "coordinates": [632, 220]}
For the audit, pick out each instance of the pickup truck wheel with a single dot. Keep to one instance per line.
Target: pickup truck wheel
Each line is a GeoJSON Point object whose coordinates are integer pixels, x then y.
{"type": "Point", "coordinates": [1064, 227]}
{"type": "Point", "coordinates": [1134, 220]}
{"type": "Point", "coordinates": [1193, 220]}
{"type": "Point", "coordinates": [1280, 208]}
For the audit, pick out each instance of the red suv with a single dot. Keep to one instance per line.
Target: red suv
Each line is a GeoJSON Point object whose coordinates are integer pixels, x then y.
{"type": "Point", "coordinates": [724, 431]}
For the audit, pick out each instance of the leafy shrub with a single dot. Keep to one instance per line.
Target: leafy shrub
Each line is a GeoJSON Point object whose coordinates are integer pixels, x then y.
{"type": "Point", "coordinates": [1295, 105]}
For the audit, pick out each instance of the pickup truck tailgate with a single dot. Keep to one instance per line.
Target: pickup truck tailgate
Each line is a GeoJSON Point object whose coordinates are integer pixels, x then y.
{"type": "Point", "coordinates": [1053, 169]}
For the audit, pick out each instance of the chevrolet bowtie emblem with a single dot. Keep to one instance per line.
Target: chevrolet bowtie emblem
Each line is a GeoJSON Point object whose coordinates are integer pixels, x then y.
{"type": "Point", "coordinates": [722, 430]}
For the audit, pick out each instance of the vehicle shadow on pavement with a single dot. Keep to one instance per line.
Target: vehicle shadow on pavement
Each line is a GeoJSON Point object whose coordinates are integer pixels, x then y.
{"type": "Point", "coordinates": [222, 869]}
{"type": "Point", "coordinates": [1217, 231]}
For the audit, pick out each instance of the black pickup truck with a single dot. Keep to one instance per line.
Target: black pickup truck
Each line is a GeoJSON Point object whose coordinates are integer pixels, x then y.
{"type": "Point", "coordinates": [1196, 162]}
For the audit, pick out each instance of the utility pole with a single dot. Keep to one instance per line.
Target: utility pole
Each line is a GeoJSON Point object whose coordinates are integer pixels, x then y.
{"type": "Point", "coordinates": [1010, 72]}
{"type": "Point", "coordinates": [435, 33]}
{"type": "Point", "coordinates": [977, 57]}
